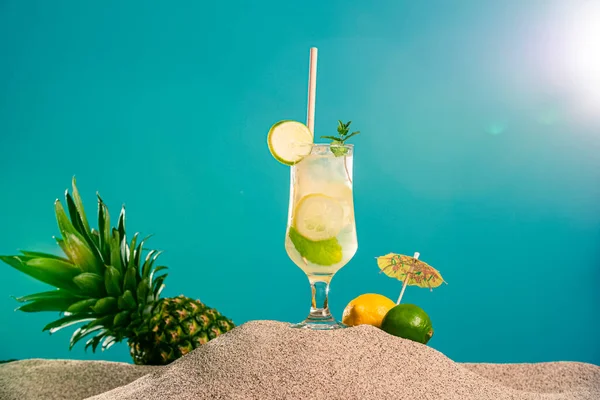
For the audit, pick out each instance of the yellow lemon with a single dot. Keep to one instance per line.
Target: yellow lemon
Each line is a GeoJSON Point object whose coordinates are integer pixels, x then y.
{"type": "Point", "coordinates": [369, 309]}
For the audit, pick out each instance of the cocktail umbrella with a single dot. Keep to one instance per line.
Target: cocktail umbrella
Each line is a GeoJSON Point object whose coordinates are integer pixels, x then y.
{"type": "Point", "coordinates": [409, 270]}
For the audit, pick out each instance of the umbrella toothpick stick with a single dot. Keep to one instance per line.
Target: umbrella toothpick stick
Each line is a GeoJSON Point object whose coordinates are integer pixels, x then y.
{"type": "Point", "coordinates": [405, 283]}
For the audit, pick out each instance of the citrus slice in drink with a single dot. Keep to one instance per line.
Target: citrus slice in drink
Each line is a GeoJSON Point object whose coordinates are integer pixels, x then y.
{"type": "Point", "coordinates": [320, 252]}
{"type": "Point", "coordinates": [290, 141]}
{"type": "Point", "coordinates": [318, 217]}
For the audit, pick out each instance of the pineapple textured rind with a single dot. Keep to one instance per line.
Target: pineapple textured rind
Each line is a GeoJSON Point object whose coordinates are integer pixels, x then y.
{"type": "Point", "coordinates": [177, 326]}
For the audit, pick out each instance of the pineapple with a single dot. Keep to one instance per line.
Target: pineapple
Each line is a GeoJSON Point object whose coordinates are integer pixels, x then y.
{"type": "Point", "coordinates": [109, 285]}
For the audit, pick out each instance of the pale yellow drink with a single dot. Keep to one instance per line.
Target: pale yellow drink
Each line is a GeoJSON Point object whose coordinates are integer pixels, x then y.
{"type": "Point", "coordinates": [321, 232]}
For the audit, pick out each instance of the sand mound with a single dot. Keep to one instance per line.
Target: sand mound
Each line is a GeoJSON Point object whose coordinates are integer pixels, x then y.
{"type": "Point", "coordinates": [37, 379]}
{"type": "Point", "coordinates": [548, 377]}
{"type": "Point", "coordinates": [269, 360]}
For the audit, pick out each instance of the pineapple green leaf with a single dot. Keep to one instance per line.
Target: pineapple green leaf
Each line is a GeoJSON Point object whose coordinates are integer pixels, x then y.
{"type": "Point", "coordinates": [67, 321]}
{"type": "Point", "coordinates": [155, 271]}
{"type": "Point", "coordinates": [74, 214]}
{"type": "Point", "coordinates": [93, 342]}
{"type": "Point", "coordinates": [127, 301]}
{"type": "Point", "coordinates": [104, 228]}
{"type": "Point", "coordinates": [124, 252]}
{"type": "Point", "coordinates": [130, 281]}
{"type": "Point", "coordinates": [158, 290]}
{"type": "Point", "coordinates": [105, 305]}
{"type": "Point", "coordinates": [52, 294]}
{"type": "Point", "coordinates": [75, 247]}
{"type": "Point", "coordinates": [106, 233]}
{"type": "Point", "coordinates": [141, 329]}
{"type": "Point", "coordinates": [112, 280]}
{"type": "Point", "coordinates": [147, 267]}
{"type": "Point", "coordinates": [108, 342]}
{"type": "Point", "coordinates": [144, 240]}
{"type": "Point", "coordinates": [51, 271]}
{"type": "Point", "coordinates": [106, 321]}
{"type": "Point", "coordinates": [48, 304]}
{"type": "Point", "coordinates": [64, 224]}
{"type": "Point", "coordinates": [99, 325]}
{"type": "Point", "coordinates": [115, 254]}
{"type": "Point", "coordinates": [139, 250]}
{"type": "Point", "coordinates": [131, 253]}
{"type": "Point", "coordinates": [63, 246]}
{"type": "Point", "coordinates": [77, 222]}
{"type": "Point", "coordinates": [142, 290]}
{"type": "Point", "coordinates": [81, 306]}
{"type": "Point", "coordinates": [79, 205]}
{"type": "Point", "coordinates": [121, 318]}
{"type": "Point", "coordinates": [59, 267]}
{"type": "Point", "coordinates": [136, 257]}
{"type": "Point", "coordinates": [121, 225]}
{"type": "Point", "coordinates": [95, 236]}
{"type": "Point", "coordinates": [158, 283]}
{"type": "Point", "coordinates": [90, 283]}
{"type": "Point", "coordinates": [82, 332]}
{"type": "Point", "coordinates": [81, 255]}
{"type": "Point", "coordinates": [43, 255]}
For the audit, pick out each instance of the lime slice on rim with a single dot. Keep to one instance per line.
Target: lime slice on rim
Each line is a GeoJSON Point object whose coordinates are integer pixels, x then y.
{"type": "Point", "coordinates": [318, 217]}
{"type": "Point", "coordinates": [290, 141]}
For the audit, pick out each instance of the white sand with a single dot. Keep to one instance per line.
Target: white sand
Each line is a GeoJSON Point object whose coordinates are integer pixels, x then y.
{"type": "Point", "coordinates": [38, 379]}
{"type": "Point", "coordinates": [269, 360]}
{"type": "Point", "coordinates": [549, 377]}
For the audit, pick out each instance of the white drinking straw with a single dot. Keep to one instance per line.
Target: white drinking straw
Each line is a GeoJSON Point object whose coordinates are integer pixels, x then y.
{"type": "Point", "coordinates": [416, 257]}
{"type": "Point", "coordinates": [312, 89]}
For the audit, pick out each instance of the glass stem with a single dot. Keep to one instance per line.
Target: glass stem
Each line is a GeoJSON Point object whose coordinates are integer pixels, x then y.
{"type": "Point", "coordinates": [319, 309]}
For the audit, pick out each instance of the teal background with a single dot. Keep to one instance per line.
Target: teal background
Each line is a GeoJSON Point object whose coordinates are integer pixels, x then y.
{"type": "Point", "coordinates": [479, 149]}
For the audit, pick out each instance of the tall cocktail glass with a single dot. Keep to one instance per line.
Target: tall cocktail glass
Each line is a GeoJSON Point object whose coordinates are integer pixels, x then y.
{"type": "Point", "coordinates": [321, 231]}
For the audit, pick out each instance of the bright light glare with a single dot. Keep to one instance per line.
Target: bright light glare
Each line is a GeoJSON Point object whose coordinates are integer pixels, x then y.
{"type": "Point", "coordinates": [582, 54]}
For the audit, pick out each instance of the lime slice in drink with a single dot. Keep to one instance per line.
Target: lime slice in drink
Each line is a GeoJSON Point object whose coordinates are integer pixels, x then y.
{"type": "Point", "coordinates": [321, 252]}
{"type": "Point", "coordinates": [318, 217]}
{"type": "Point", "coordinates": [290, 141]}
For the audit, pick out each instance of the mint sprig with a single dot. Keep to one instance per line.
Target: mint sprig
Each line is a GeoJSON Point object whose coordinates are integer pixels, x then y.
{"type": "Point", "coordinates": [337, 142]}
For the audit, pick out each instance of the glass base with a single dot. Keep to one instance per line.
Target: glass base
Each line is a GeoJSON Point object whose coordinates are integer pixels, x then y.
{"type": "Point", "coordinates": [319, 324]}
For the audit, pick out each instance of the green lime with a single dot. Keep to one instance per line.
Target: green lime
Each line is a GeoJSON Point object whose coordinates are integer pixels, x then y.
{"type": "Point", "coordinates": [321, 252]}
{"type": "Point", "coordinates": [290, 141]}
{"type": "Point", "coordinates": [408, 321]}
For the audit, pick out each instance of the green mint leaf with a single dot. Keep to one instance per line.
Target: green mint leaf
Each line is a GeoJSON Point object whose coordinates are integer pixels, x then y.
{"type": "Point", "coordinates": [339, 151]}
{"type": "Point", "coordinates": [352, 134]}
{"type": "Point", "coordinates": [337, 145]}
